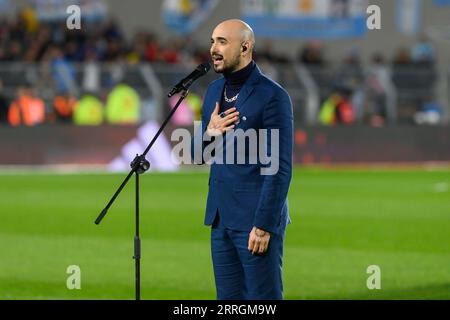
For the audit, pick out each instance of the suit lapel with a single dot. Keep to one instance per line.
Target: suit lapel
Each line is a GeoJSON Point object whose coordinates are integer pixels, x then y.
{"type": "Point", "coordinates": [244, 94]}
{"type": "Point", "coordinates": [247, 89]}
{"type": "Point", "coordinates": [218, 94]}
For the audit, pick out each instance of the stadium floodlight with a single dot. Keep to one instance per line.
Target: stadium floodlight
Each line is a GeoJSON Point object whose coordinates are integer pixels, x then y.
{"type": "Point", "coordinates": [140, 165]}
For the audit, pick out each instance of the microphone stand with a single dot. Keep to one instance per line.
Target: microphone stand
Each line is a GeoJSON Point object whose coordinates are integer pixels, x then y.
{"type": "Point", "coordinates": [140, 165]}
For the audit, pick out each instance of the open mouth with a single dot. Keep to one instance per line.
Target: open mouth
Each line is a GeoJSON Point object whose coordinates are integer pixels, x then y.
{"type": "Point", "coordinates": [217, 59]}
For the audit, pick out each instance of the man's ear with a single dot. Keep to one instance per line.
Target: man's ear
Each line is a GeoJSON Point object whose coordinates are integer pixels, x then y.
{"type": "Point", "coordinates": [244, 46]}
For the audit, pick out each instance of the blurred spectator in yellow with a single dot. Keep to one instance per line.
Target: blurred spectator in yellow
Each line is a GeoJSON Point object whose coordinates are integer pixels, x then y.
{"type": "Point", "coordinates": [195, 103]}
{"type": "Point", "coordinates": [27, 109]}
{"type": "Point", "coordinates": [29, 18]}
{"type": "Point", "coordinates": [88, 111]}
{"type": "Point", "coordinates": [337, 109]}
{"type": "Point", "coordinates": [123, 105]}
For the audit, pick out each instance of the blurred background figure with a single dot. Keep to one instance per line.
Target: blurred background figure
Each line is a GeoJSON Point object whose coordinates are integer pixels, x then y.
{"type": "Point", "coordinates": [4, 106]}
{"type": "Point", "coordinates": [337, 109]}
{"type": "Point", "coordinates": [312, 54]}
{"type": "Point", "coordinates": [64, 106]}
{"type": "Point", "coordinates": [378, 84]}
{"type": "Point", "coordinates": [27, 109]}
{"type": "Point", "coordinates": [88, 110]}
{"type": "Point", "coordinates": [123, 105]}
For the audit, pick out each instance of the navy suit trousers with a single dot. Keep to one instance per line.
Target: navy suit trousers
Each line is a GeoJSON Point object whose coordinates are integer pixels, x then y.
{"type": "Point", "coordinates": [238, 273]}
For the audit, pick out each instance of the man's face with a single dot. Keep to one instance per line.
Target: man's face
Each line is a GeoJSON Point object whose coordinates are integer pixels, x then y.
{"type": "Point", "coordinates": [225, 50]}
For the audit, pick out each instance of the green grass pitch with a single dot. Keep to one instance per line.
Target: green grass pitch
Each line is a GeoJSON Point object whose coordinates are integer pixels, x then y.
{"type": "Point", "coordinates": [342, 222]}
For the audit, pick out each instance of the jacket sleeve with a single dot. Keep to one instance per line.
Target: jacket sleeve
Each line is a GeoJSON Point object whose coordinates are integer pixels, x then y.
{"type": "Point", "coordinates": [278, 115]}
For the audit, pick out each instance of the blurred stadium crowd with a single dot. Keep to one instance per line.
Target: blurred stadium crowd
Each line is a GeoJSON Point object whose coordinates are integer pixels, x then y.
{"type": "Point", "coordinates": [49, 74]}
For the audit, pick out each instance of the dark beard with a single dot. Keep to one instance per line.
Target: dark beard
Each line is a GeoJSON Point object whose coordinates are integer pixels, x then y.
{"type": "Point", "coordinates": [230, 69]}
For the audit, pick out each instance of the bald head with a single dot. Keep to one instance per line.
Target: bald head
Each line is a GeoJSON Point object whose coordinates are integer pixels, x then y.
{"type": "Point", "coordinates": [239, 29]}
{"type": "Point", "coordinates": [232, 44]}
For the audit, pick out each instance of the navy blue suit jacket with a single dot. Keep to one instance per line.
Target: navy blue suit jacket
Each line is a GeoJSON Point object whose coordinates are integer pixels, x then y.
{"type": "Point", "coordinates": [243, 197]}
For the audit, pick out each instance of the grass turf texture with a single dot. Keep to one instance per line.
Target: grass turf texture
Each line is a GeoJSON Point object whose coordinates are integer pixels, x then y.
{"type": "Point", "coordinates": [343, 221]}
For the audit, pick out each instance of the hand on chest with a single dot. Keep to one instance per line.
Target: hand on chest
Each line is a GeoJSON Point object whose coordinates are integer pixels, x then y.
{"type": "Point", "coordinates": [250, 112]}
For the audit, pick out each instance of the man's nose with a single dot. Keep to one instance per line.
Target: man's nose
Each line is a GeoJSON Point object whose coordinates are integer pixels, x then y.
{"type": "Point", "coordinates": [212, 49]}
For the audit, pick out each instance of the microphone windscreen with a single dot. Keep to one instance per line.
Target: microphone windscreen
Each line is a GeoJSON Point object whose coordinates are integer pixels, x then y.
{"type": "Point", "coordinates": [204, 67]}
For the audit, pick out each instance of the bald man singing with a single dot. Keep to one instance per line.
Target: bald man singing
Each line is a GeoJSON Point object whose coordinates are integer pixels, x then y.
{"type": "Point", "coordinates": [247, 205]}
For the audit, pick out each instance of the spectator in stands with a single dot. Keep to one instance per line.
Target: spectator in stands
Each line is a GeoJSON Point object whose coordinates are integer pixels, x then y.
{"type": "Point", "coordinates": [63, 72]}
{"type": "Point", "coordinates": [112, 30]}
{"type": "Point", "coordinates": [113, 50]}
{"type": "Point", "coordinates": [29, 18]}
{"type": "Point", "coordinates": [402, 57]}
{"type": "Point", "coordinates": [268, 68]}
{"type": "Point", "coordinates": [267, 54]}
{"type": "Point", "coordinates": [3, 56]}
{"type": "Point", "coordinates": [312, 54]}
{"type": "Point", "coordinates": [430, 113]}
{"type": "Point", "coordinates": [337, 109]}
{"type": "Point", "coordinates": [27, 109]}
{"type": "Point", "coordinates": [350, 71]}
{"type": "Point", "coordinates": [38, 44]}
{"type": "Point", "coordinates": [14, 51]}
{"type": "Point", "coordinates": [88, 111]}
{"type": "Point", "coordinates": [152, 50]}
{"type": "Point", "coordinates": [423, 51]}
{"type": "Point", "coordinates": [73, 51]}
{"type": "Point", "coordinates": [377, 86]}
{"type": "Point", "coordinates": [4, 106]}
{"type": "Point", "coordinates": [123, 105]}
{"type": "Point", "coordinates": [91, 73]}
{"type": "Point", "coordinates": [136, 51]}
{"type": "Point", "coordinates": [351, 74]}
{"type": "Point", "coordinates": [171, 53]}
{"type": "Point", "coordinates": [200, 56]}
{"type": "Point", "coordinates": [63, 107]}
{"type": "Point", "coordinates": [116, 70]}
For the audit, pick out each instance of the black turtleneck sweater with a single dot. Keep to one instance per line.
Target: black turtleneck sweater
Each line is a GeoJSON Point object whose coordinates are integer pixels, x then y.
{"type": "Point", "coordinates": [233, 84]}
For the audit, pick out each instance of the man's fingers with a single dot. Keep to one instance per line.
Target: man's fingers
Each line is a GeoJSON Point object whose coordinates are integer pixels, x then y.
{"type": "Point", "coordinates": [230, 121]}
{"type": "Point", "coordinates": [228, 128]}
{"type": "Point", "coordinates": [255, 247]}
{"type": "Point", "coordinates": [258, 245]}
{"type": "Point", "coordinates": [262, 248]}
{"type": "Point", "coordinates": [231, 115]}
{"type": "Point", "coordinates": [228, 111]}
{"type": "Point", "coordinates": [251, 243]}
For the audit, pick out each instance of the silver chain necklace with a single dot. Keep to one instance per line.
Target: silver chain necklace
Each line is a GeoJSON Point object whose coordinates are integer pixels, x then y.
{"type": "Point", "coordinates": [229, 100]}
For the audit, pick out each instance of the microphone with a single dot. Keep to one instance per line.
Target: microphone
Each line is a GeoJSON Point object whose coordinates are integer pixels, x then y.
{"type": "Point", "coordinates": [184, 84]}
